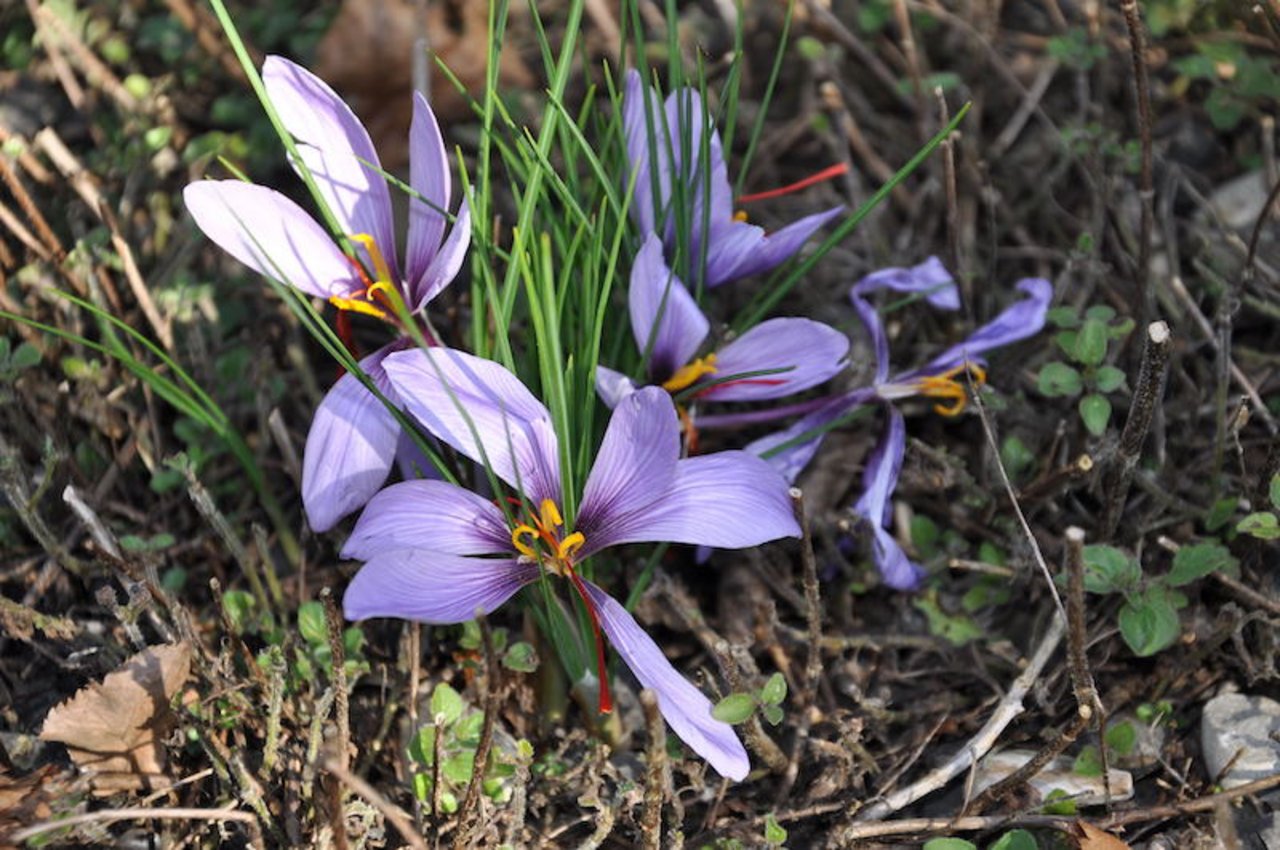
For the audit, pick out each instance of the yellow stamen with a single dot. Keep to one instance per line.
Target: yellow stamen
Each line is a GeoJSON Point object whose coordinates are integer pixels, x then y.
{"type": "Point", "coordinates": [686, 375]}
{"type": "Point", "coordinates": [740, 215]}
{"type": "Point", "coordinates": [518, 535]}
{"type": "Point", "coordinates": [362, 301]}
{"type": "Point", "coordinates": [946, 386]}
{"type": "Point", "coordinates": [380, 267]}
{"type": "Point", "coordinates": [559, 553]}
{"type": "Point", "coordinates": [358, 305]}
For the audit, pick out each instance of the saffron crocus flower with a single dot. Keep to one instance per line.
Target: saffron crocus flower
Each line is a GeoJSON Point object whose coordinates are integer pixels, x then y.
{"type": "Point", "coordinates": [734, 248]}
{"type": "Point", "coordinates": [941, 378]}
{"type": "Point", "coordinates": [436, 553]}
{"type": "Point", "coordinates": [353, 437]}
{"type": "Point", "coordinates": [776, 358]}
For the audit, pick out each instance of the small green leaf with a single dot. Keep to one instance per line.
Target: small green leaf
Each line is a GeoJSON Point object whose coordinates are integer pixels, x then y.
{"type": "Point", "coordinates": [1121, 738]}
{"type": "Point", "coordinates": [1088, 763]}
{"type": "Point", "coordinates": [422, 746]}
{"type": "Point", "coordinates": [1220, 513]}
{"type": "Point", "coordinates": [239, 606]}
{"type": "Point", "coordinates": [449, 801]}
{"type": "Point", "coordinates": [1109, 570]}
{"type": "Point", "coordinates": [1063, 317]}
{"type": "Point", "coordinates": [1056, 802]}
{"type": "Point", "coordinates": [24, 357]}
{"type": "Point", "coordinates": [1101, 312]}
{"type": "Point", "coordinates": [1091, 343]}
{"type": "Point", "coordinates": [1066, 340]}
{"type": "Point", "coordinates": [772, 714]}
{"type": "Point", "coordinates": [422, 787]}
{"type": "Point", "coordinates": [521, 657]}
{"type": "Point", "coordinates": [734, 709]}
{"type": "Point", "coordinates": [774, 834]}
{"type": "Point", "coordinates": [1015, 456]}
{"type": "Point", "coordinates": [1095, 412]}
{"type": "Point", "coordinates": [1197, 561]}
{"type": "Point", "coordinates": [924, 536]}
{"type": "Point", "coordinates": [457, 768]}
{"type": "Point", "coordinates": [1149, 621]}
{"type": "Point", "coordinates": [446, 704]}
{"type": "Point", "coordinates": [775, 690]}
{"type": "Point", "coordinates": [1015, 839]}
{"type": "Point", "coordinates": [1275, 491]}
{"type": "Point", "coordinates": [157, 137]}
{"type": "Point", "coordinates": [949, 844]}
{"type": "Point", "coordinates": [311, 623]}
{"type": "Point", "coordinates": [1121, 329]}
{"type": "Point", "coordinates": [957, 629]}
{"type": "Point", "coordinates": [1262, 525]}
{"type": "Point", "coordinates": [1059, 379]}
{"type": "Point", "coordinates": [1108, 379]}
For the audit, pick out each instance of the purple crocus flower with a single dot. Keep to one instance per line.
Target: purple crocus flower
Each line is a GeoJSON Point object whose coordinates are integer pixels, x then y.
{"type": "Point", "coordinates": [436, 553]}
{"type": "Point", "coordinates": [353, 438]}
{"type": "Point", "coordinates": [937, 379]}
{"type": "Point", "coordinates": [734, 248]}
{"type": "Point", "coordinates": [793, 354]}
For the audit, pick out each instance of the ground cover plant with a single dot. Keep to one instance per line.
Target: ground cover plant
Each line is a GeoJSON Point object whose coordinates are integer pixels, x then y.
{"type": "Point", "coordinates": [709, 425]}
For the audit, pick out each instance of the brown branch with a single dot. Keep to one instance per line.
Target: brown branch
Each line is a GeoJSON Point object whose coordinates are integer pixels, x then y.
{"type": "Point", "coordinates": [655, 790]}
{"type": "Point", "coordinates": [395, 815]}
{"type": "Point", "coordinates": [1146, 189]}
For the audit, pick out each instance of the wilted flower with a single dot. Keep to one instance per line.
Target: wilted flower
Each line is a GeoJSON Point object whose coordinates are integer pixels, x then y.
{"type": "Point", "coordinates": [353, 438]}
{"type": "Point", "coordinates": [437, 553]}
{"type": "Point", "coordinates": [734, 248]}
{"type": "Point", "coordinates": [941, 378]}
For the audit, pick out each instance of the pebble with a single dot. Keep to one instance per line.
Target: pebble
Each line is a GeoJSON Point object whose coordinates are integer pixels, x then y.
{"type": "Point", "coordinates": [1248, 725]}
{"type": "Point", "coordinates": [1056, 775]}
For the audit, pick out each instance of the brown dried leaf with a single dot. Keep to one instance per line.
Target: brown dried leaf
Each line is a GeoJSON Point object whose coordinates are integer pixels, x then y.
{"type": "Point", "coordinates": [114, 729]}
{"type": "Point", "coordinates": [367, 55]}
{"type": "Point", "coordinates": [1093, 838]}
{"type": "Point", "coordinates": [27, 799]}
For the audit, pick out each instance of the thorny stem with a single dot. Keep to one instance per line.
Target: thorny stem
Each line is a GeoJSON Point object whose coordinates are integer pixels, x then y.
{"type": "Point", "coordinates": [1146, 396]}
{"type": "Point", "coordinates": [1146, 190]}
{"type": "Point", "coordinates": [491, 690]}
{"type": "Point", "coordinates": [655, 790]}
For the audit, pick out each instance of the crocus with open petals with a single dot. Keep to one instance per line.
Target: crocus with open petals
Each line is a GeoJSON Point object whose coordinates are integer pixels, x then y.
{"type": "Point", "coordinates": [940, 378]}
{"type": "Point", "coordinates": [353, 438]}
{"type": "Point", "coordinates": [734, 248]}
{"type": "Point", "coordinates": [437, 553]}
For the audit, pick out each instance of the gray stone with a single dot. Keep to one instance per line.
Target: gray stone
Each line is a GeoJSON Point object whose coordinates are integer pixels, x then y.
{"type": "Point", "coordinates": [1249, 726]}
{"type": "Point", "coordinates": [1057, 775]}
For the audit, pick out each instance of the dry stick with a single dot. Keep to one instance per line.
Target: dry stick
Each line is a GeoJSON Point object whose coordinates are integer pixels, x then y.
{"type": "Point", "coordinates": [15, 226]}
{"type": "Point", "coordinates": [31, 211]}
{"type": "Point", "coordinates": [824, 19]}
{"type": "Point", "coordinates": [395, 815]}
{"type": "Point", "coordinates": [415, 657]}
{"type": "Point", "coordinates": [1055, 481]}
{"type": "Point", "coordinates": [342, 716]}
{"type": "Point", "coordinates": [491, 691]}
{"type": "Point", "coordinates": [953, 201]}
{"type": "Point", "coordinates": [655, 790]}
{"type": "Point", "coordinates": [113, 815]}
{"type": "Point", "coordinates": [1146, 189]}
{"type": "Point", "coordinates": [903, 19]}
{"type": "Point", "coordinates": [1146, 396]}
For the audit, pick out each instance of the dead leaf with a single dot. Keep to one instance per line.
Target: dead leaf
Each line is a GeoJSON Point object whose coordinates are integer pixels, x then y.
{"type": "Point", "coordinates": [24, 800]}
{"type": "Point", "coordinates": [367, 55]}
{"type": "Point", "coordinates": [114, 729]}
{"type": "Point", "coordinates": [1093, 838]}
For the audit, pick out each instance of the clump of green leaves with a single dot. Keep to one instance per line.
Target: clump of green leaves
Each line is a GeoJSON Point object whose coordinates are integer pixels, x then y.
{"type": "Point", "coordinates": [1148, 620]}
{"type": "Point", "coordinates": [308, 656]}
{"type": "Point", "coordinates": [1264, 525]}
{"type": "Point", "coordinates": [1085, 340]}
{"type": "Point", "coordinates": [1120, 738]}
{"type": "Point", "coordinates": [738, 708]}
{"type": "Point", "coordinates": [1242, 85]}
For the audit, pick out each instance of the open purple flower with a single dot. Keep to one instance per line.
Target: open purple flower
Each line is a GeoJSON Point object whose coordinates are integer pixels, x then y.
{"type": "Point", "coordinates": [734, 248]}
{"type": "Point", "coordinates": [353, 438]}
{"type": "Point", "coordinates": [435, 552]}
{"type": "Point", "coordinates": [940, 378]}
{"type": "Point", "coordinates": [774, 359]}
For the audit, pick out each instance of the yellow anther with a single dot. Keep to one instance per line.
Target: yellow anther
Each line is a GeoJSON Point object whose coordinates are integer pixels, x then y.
{"type": "Point", "coordinates": [688, 374]}
{"type": "Point", "coordinates": [557, 555]}
{"type": "Point", "coordinates": [740, 215]}
{"type": "Point", "coordinates": [946, 386]}
{"type": "Point", "coordinates": [380, 267]}
{"type": "Point", "coordinates": [569, 547]}
{"type": "Point", "coordinates": [518, 540]}
{"type": "Point", "coordinates": [358, 305]}
{"type": "Point", "coordinates": [550, 515]}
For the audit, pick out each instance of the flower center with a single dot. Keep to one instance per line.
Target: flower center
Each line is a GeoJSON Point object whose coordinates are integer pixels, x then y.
{"type": "Point", "coordinates": [945, 386]}
{"type": "Point", "coordinates": [688, 374]}
{"type": "Point", "coordinates": [372, 300]}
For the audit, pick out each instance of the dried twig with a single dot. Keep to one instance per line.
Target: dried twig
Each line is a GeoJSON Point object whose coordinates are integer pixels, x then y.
{"type": "Point", "coordinates": [655, 790]}
{"type": "Point", "coordinates": [1146, 189]}
{"type": "Point", "coordinates": [395, 815]}
{"type": "Point", "coordinates": [113, 815]}
{"type": "Point", "coordinates": [491, 692]}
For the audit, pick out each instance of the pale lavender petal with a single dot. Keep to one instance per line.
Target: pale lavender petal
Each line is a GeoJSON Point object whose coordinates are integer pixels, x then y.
{"type": "Point", "coordinates": [729, 500]}
{"type": "Point", "coordinates": [641, 156]}
{"type": "Point", "coordinates": [879, 480]}
{"type": "Point", "coordinates": [665, 319]}
{"type": "Point", "coordinates": [685, 708]}
{"type": "Point", "coordinates": [930, 279]}
{"type": "Point", "coordinates": [271, 235]}
{"type": "Point", "coordinates": [1017, 322]}
{"type": "Point", "coordinates": [896, 569]}
{"type": "Point", "coordinates": [634, 467]}
{"type": "Point", "coordinates": [613, 387]}
{"type": "Point", "coordinates": [350, 447]}
{"type": "Point", "coordinates": [433, 587]}
{"type": "Point", "coordinates": [870, 317]}
{"type": "Point", "coordinates": [429, 177]}
{"type": "Point", "coordinates": [444, 388]}
{"type": "Point", "coordinates": [412, 462]}
{"type": "Point", "coordinates": [811, 352]}
{"type": "Point", "coordinates": [772, 251]}
{"type": "Point", "coordinates": [701, 173]}
{"type": "Point", "coordinates": [446, 263]}
{"type": "Point", "coordinates": [433, 515]}
{"type": "Point", "coordinates": [337, 150]}
{"type": "Point", "coordinates": [789, 451]}
{"type": "Point", "coordinates": [732, 246]}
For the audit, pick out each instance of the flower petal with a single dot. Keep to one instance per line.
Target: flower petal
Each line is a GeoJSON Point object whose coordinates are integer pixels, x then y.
{"type": "Point", "coordinates": [789, 451]}
{"type": "Point", "coordinates": [271, 235]}
{"type": "Point", "coordinates": [450, 391]}
{"type": "Point", "coordinates": [729, 500]}
{"type": "Point", "coordinates": [446, 263]}
{"type": "Point", "coordinates": [337, 150]}
{"type": "Point", "coordinates": [811, 352]}
{"type": "Point", "coordinates": [930, 279]}
{"type": "Point", "coordinates": [685, 708]}
{"type": "Point", "coordinates": [665, 319]}
{"type": "Point", "coordinates": [735, 261]}
{"type": "Point", "coordinates": [350, 446]}
{"type": "Point", "coordinates": [879, 480]}
{"type": "Point", "coordinates": [434, 515]}
{"type": "Point", "coordinates": [613, 387]}
{"type": "Point", "coordinates": [642, 156]}
{"type": "Point", "coordinates": [1016, 322]}
{"type": "Point", "coordinates": [635, 465]}
{"type": "Point", "coordinates": [429, 176]}
{"type": "Point", "coordinates": [433, 587]}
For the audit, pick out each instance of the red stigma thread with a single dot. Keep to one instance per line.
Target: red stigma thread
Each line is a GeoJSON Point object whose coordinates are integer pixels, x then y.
{"type": "Point", "coordinates": [606, 699]}
{"type": "Point", "coordinates": [825, 174]}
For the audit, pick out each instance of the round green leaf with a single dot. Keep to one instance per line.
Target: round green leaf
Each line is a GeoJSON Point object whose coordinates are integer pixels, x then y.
{"type": "Point", "coordinates": [1015, 839]}
{"type": "Point", "coordinates": [1091, 342]}
{"type": "Point", "coordinates": [311, 623]}
{"type": "Point", "coordinates": [1262, 525]}
{"type": "Point", "coordinates": [1095, 412]}
{"type": "Point", "coordinates": [949, 844]}
{"type": "Point", "coordinates": [521, 657]}
{"type": "Point", "coordinates": [1108, 379]}
{"type": "Point", "coordinates": [734, 709]}
{"type": "Point", "coordinates": [1109, 570]}
{"type": "Point", "coordinates": [1122, 737]}
{"type": "Point", "coordinates": [775, 690]}
{"type": "Point", "coordinates": [1059, 379]}
{"type": "Point", "coordinates": [1149, 622]}
{"type": "Point", "coordinates": [774, 834]}
{"type": "Point", "coordinates": [1197, 561]}
{"type": "Point", "coordinates": [446, 704]}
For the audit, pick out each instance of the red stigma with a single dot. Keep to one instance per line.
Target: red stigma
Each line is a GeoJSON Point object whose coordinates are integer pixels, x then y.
{"type": "Point", "coordinates": [825, 174]}
{"type": "Point", "coordinates": [606, 699]}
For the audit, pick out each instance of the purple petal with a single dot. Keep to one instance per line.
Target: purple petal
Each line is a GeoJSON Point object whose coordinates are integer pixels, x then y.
{"type": "Point", "coordinates": [337, 150]}
{"type": "Point", "coordinates": [879, 480]}
{"type": "Point", "coordinates": [271, 235]}
{"type": "Point", "coordinates": [665, 319]}
{"type": "Point", "coordinates": [641, 156]}
{"type": "Point", "coordinates": [429, 176]}
{"type": "Point", "coordinates": [733, 245]}
{"type": "Point", "coordinates": [1017, 322]}
{"type": "Point", "coordinates": [433, 587]}
{"type": "Point", "coordinates": [685, 708]}
{"type": "Point", "coordinates": [444, 388]}
{"type": "Point", "coordinates": [791, 460]}
{"type": "Point", "coordinates": [811, 352]}
{"type": "Point", "coordinates": [729, 500]}
{"type": "Point", "coordinates": [613, 387]}
{"type": "Point", "coordinates": [350, 447]}
{"type": "Point", "coordinates": [930, 279]}
{"type": "Point", "coordinates": [733, 261]}
{"type": "Point", "coordinates": [896, 569]}
{"type": "Point", "coordinates": [412, 462]}
{"type": "Point", "coordinates": [433, 515]}
{"type": "Point", "coordinates": [634, 467]}
{"type": "Point", "coordinates": [446, 263]}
